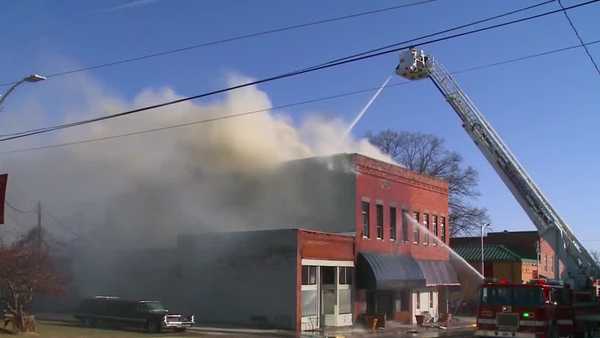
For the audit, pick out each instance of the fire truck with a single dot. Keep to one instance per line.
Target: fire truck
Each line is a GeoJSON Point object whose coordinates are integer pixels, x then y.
{"type": "Point", "coordinates": [541, 308]}
{"type": "Point", "coordinates": [538, 309]}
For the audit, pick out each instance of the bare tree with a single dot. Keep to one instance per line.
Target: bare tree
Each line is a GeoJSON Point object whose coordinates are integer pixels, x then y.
{"type": "Point", "coordinates": [427, 154]}
{"type": "Point", "coordinates": [595, 255]}
{"type": "Point", "coordinates": [26, 270]}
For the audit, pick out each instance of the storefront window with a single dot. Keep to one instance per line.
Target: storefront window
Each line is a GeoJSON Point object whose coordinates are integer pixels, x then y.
{"type": "Point", "coordinates": [309, 275]}
{"type": "Point", "coordinates": [328, 274]}
{"type": "Point", "coordinates": [345, 275]}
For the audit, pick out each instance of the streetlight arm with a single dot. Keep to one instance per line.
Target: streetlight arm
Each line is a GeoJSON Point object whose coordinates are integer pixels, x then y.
{"type": "Point", "coordinates": [10, 90]}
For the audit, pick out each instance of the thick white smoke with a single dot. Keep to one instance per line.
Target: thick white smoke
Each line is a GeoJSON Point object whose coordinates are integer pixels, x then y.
{"type": "Point", "coordinates": [152, 186]}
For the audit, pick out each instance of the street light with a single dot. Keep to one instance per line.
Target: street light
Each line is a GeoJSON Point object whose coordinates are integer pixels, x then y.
{"type": "Point", "coordinates": [31, 78]}
{"type": "Point", "coordinates": [483, 226]}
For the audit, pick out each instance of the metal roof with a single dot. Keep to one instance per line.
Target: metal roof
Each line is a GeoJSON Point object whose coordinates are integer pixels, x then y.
{"type": "Point", "coordinates": [491, 252]}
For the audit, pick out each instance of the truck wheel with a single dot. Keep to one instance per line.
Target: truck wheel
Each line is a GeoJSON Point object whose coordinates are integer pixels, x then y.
{"type": "Point", "coordinates": [153, 326]}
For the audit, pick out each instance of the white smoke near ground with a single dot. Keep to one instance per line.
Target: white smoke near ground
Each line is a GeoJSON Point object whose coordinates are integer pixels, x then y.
{"type": "Point", "coordinates": [148, 188]}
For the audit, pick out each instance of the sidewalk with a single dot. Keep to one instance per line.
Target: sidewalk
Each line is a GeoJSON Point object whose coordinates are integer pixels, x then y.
{"type": "Point", "coordinates": [461, 325]}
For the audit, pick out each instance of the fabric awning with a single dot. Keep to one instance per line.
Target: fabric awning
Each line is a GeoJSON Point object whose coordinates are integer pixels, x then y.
{"type": "Point", "coordinates": [388, 272]}
{"type": "Point", "coordinates": [438, 273]}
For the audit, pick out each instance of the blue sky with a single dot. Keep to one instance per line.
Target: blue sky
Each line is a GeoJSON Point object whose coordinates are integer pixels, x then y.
{"type": "Point", "coordinates": [546, 109]}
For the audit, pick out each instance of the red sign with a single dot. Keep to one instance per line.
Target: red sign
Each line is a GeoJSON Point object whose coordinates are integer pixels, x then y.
{"type": "Point", "coordinates": [3, 179]}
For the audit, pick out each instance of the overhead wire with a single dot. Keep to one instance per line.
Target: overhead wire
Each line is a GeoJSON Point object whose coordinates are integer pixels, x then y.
{"type": "Point", "coordinates": [448, 30]}
{"type": "Point", "coordinates": [587, 51]}
{"type": "Point", "coordinates": [289, 105]}
{"type": "Point", "coordinates": [230, 39]}
{"type": "Point", "coordinates": [472, 23]}
{"type": "Point", "coordinates": [32, 211]}
{"type": "Point", "coordinates": [285, 75]}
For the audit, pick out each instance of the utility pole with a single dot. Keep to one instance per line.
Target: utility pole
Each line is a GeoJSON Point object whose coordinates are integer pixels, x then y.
{"type": "Point", "coordinates": [483, 226]}
{"type": "Point", "coordinates": [39, 225]}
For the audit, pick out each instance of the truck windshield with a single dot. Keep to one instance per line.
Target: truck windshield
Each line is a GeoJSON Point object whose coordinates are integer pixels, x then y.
{"type": "Point", "coordinates": [520, 296]}
{"type": "Point", "coordinates": [155, 306]}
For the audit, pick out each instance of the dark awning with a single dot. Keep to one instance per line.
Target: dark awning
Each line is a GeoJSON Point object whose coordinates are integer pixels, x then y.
{"type": "Point", "coordinates": [386, 272]}
{"type": "Point", "coordinates": [438, 273]}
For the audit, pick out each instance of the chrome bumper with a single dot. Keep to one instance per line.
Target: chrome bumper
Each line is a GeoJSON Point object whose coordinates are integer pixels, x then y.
{"type": "Point", "coordinates": [490, 333]}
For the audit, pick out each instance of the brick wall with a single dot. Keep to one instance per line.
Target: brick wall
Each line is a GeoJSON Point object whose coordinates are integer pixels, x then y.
{"type": "Point", "coordinates": [380, 183]}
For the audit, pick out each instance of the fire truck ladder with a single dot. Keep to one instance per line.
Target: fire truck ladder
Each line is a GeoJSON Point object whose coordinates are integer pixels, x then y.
{"type": "Point", "coordinates": [579, 264]}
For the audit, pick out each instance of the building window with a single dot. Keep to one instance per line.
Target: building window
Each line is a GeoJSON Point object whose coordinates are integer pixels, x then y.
{"type": "Point", "coordinates": [443, 228]}
{"type": "Point", "coordinates": [393, 223]}
{"type": "Point", "coordinates": [309, 275]}
{"type": "Point", "coordinates": [431, 299]}
{"type": "Point", "coordinates": [434, 221]}
{"type": "Point", "coordinates": [345, 275]}
{"type": "Point", "coordinates": [426, 232]}
{"type": "Point", "coordinates": [379, 209]}
{"type": "Point", "coordinates": [405, 223]}
{"type": "Point", "coordinates": [546, 262]}
{"type": "Point", "coordinates": [416, 227]}
{"type": "Point", "coordinates": [418, 300]}
{"type": "Point", "coordinates": [365, 218]}
{"type": "Point", "coordinates": [328, 274]}
{"type": "Point", "coordinates": [404, 300]}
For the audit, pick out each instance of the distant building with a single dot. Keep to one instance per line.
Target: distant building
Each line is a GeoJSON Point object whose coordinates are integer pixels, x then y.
{"type": "Point", "coordinates": [526, 249]}
{"type": "Point", "coordinates": [337, 244]}
{"type": "Point", "coordinates": [500, 262]}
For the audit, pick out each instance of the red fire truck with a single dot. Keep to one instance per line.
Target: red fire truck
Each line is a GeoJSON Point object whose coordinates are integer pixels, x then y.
{"type": "Point", "coordinates": [538, 309]}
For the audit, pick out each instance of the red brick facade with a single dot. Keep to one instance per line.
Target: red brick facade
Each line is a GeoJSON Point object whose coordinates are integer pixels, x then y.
{"type": "Point", "coordinates": [391, 186]}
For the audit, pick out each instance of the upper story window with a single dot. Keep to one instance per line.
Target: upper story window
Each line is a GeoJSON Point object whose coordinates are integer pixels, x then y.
{"type": "Point", "coordinates": [416, 232]}
{"type": "Point", "coordinates": [365, 218]}
{"type": "Point", "coordinates": [426, 225]}
{"type": "Point", "coordinates": [379, 210]}
{"type": "Point", "coordinates": [405, 223]}
{"type": "Point", "coordinates": [434, 224]}
{"type": "Point", "coordinates": [393, 223]}
{"type": "Point", "coordinates": [443, 228]}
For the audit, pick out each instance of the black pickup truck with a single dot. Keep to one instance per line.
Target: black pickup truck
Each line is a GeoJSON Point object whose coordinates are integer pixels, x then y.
{"type": "Point", "coordinates": [150, 315]}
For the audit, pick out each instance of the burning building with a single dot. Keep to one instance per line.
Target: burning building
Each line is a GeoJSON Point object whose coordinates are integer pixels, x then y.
{"type": "Point", "coordinates": [335, 238]}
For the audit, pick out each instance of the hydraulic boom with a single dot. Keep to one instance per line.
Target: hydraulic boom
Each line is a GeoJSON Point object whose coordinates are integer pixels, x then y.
{"type": "Point", "coordinates": [580, 266]}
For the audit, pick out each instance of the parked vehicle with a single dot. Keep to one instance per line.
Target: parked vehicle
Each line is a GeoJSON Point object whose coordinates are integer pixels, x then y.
{"type": "Point", "coordinates": [148, 314]}
{"type": "Point", "coordinates": [538, 309]}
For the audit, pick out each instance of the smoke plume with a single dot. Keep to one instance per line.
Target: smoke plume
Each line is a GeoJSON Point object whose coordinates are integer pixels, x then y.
{"type": "Point", "coordinates": [145, 189]}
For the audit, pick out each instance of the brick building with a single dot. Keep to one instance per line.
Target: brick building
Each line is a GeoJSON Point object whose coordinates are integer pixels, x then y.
{"type": "Point", "coordinates": [500, 262]}
{"type": "Point", "coordinates": [338, 243]}
{"type": "Point", "coordinates": [535, 251]}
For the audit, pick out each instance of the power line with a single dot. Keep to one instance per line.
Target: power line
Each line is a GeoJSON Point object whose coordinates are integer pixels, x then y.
{"type": "Point", "coordinates": [526, 57]}
{"type": "Point", "coordinates": [587, 51]}
{"type": "Point", "coordinates": [448, 30]}
{"type": "Point", "coordinates": [315, 100]}
{"type": "Point", "coordinates": [32, 211]}
{"type": "Point", "coordinates": [231, 39]}
{"type": "Point", "coordinates": [281, 76]}
{"type": "Point", "coordinates": [368, 51]}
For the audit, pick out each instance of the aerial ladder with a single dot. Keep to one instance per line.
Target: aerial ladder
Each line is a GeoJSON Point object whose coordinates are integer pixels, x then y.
{"type": "Point", "coordinates": [580, 267]}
